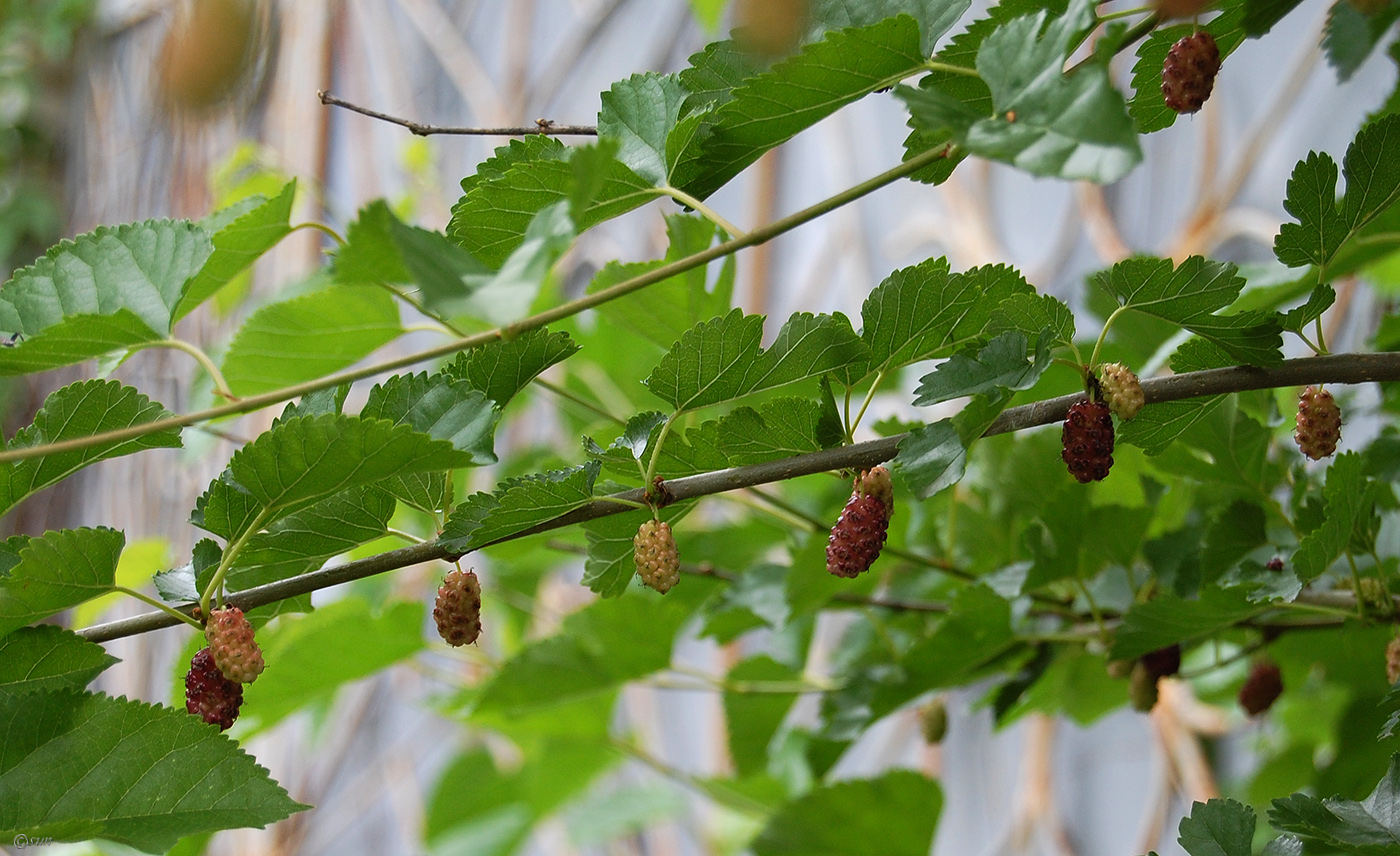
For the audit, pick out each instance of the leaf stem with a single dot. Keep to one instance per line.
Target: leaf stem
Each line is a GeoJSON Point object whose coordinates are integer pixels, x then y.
{"type": "Point", "coordinates": [1125, 13]}
{"type": "Point", "coordinates": [220, 385]}
{"type": "Point", "coordinates": [664, 272]}
{"type": "Point", "coordinates": [869, 396]}
{"type": "Point", "coordinates": [1103, 335]}
{"type": "Point", "coordinates": [949, 68]}
{"type": "Point", "coordinates": [656, 453]}
{"type": "Point", "coordinates": [567, 395]}
{"type": "Point", "coordinates": [319, 227]}
{"type": "Point", "coordinates": [230, 553]}
{"type": "Point", "coordinates": [704, 210]}
{"type": "Point", "coordinates": [147, 599]}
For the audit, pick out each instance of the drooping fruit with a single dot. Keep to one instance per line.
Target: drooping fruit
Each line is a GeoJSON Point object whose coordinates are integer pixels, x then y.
{"type": "Point", "coordinates": [658, 561]}
{"type": "Point", "coordinates": [457, 610]}
{"type": "Point", "coordinates": [1261, 689]}
{"type": "Point", "coordinates": [1188, 75]}
{"type": "Point", "coordinates": [1088, 440]}
{"type": "Point", "coordinates": [1121, 390]}
{"type": "Point", "coordinates": [1392, 660]}
{"type": "Point", "coordinates": [1274, 564]}
{"type": "Point", "coordinates": [207, 52]}
{"type": "Point", "coordinates": [1319, 423]}
{"type": "Point", "coordinates": [933, 720]}
{"type": "Point", "coordinates": [208, 694]}
{"type": "Point", "coordinates": [860, 531]}
{"type": "Point", "coordinates": [232, 645]}
{"type": "Point", "coordinates": [1142, 689]}
{"type": "Point", "coordinates": [1164, 662]}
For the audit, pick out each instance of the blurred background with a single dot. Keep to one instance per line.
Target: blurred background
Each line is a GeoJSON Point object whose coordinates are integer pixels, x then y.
{"type": "Point", "coordinates": [123, 110]}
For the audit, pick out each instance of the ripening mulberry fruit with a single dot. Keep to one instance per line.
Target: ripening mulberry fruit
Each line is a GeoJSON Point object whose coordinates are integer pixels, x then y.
{"type": "Point", "coordinates": [1142, 689]}
{"type": "Point", "coordinates": [1121, 389]}
{"type": "Point", "coordinates": [654, 550]}
{"type": "Point", "coordinates": [1189, 72]}
{"type": "Point", "coordinates": [933, 720]}
{"type": "Point", "coordinates": [1261, 689]}
{"type": "Point", "coordinates": [1392, 661]}
{"type": "Point", "coordinates": [1164, 662]}
{"type": "Point", "coordinates": [1319, 423]}
{"type": "Point", "coordinates": [232, 645]}
{"type": "Point", "coordinates": [457, 610]}
{"type": "Point", "coordinates": [208, 694]}
{"type": "Point", "coordinates": [860, 531]}
{"type": "Point", "coordinates": [1088, 439]}
{"type": "Point", "coordinates": [1274, 564]}
{"type": "Point", "coordinates": [1167, 9]}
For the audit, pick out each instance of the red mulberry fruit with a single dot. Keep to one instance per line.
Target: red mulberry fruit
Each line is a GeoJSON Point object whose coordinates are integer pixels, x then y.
{"type": "Point", "coordinates": [1261, 689]}
{"type": "Point", "coordinates": [1164, 662]}
{"type": "Point", "coordinates": [654, 551]}
{"type": "Point", "coordinates": [208, 694]}
{"type": "Point", "coordinates": [457, 610]}
{"type": "Point", "coordinates": [860, 531]}
{"type": "Point", "coordinates": [1088, 440]}
{"type": "Point", "coordinates": [232, 645]}
{"type": "Point", "coordinates": [1188, 75]}
{"type": "Point", "coordinates": [1121, 390]}
{"type": "Point", "coordinates": [1319, 423]}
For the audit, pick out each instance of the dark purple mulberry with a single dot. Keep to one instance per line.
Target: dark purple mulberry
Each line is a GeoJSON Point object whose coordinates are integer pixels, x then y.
{"type": "Point", "coordinates": [860, 531]}
{"type": "Point", "coordinates": [1088, 440]}
{"type": "Point", "coordinates": [1188, 75]}
{"type": "Point", "coordinates": [208, 694]}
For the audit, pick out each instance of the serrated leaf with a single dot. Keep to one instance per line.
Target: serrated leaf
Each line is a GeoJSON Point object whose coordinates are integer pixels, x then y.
{"type": "Point", "coordinates": [1297, 319]}
{"type": "Point", "coordinates": [73, 340]}
{"type": "Point", "coordinates": [1346, 498]}
{"type": "Point", "coordinates": [1033, 313]}
{"type": "Point", "coordinates": [1001, 364]}
{"type": "Point", "coordinates": [599, 648]}
{"type": "Point", "coordinates": [721, 360]}
{"type": "Point", "coordinates": [893, 815]}
{"type": "Point", "coordinates": [501, 369]}
{"type": "Point", "coordinates": [237, 244]}
{"type": "Point", "coordinates": [1367, 828]}
{"type": "Point", "coordinates": [923, 312]}
{"type": "Point", "coordinates": [1372, 171]}
{"type": "Point", "coordinates": [1190, 295]}
{"type": "Point", "coordinates": [1148, 107]}
{"type": "Point", "coordinates": [57, 570]}
{"type": "Point", "coordinates": [445, 409]}
{"type": "Point", "coordinates": [380, 248]}
{"type": "Point", "coordinates": [311, 656]}
{"type": "Point", "coordinates": [934, 457]}
{"type": "Point", "coordinates": [309, 337]}
{"type": "Point", "coordinates": [1218, 828]}
{"type": "Point", "coordinates": [47, 658]}
{"type": "Point", "coordinates": [79, 410]}
{"type": "Point", "coordinates": [778, 429]}
{"type": "Point", "coordinates": [1351, 35]}
{"type": "Point", "coordinates": [639, 112]}
{"type": "Point", "coordinates": [524, 503]}
{"type": "Point", "coordinates": [523, 178]}
{"type": "Point", "coordinates": [1261, 15]}
{"type": "Point", "coordinates": [1169, 619]}
{"type": "Point", "coordinates": [1158, 425]}
{"type": "Point", "coordinates": [77, 766]}
{"type": "Point", "coordinates": [505, 296]}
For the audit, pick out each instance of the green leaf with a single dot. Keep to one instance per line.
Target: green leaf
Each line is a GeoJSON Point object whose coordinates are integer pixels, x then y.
{"type": "Point", "coordinates": [599, 648]}
{"type": "Point", "coordinates": [1352, 35]}
{"type": "Point", "coordinates": [381, 249]}
{"type": "Point", "coordinates": [1068, 125]}
{"type": "Point", "coordinates": [1296, 320]}
{"type": "Point", "coordinates": [770, 108]}
{"type": "Point", "coordinates": [1189, 295]}
{"type": "Point", "coordinates": [923, 312]}
{"type": "Point", "coordinates": [80, 409]}
{"type": "Point", "coordinates": [663, 311]}
{"type": "Point", "coordinates": [47, 658]}
{"type": "Point", "coordinates": [1157, 425]}
{"type": "Point", "coordinates": [442, 408]}
{"type": "Point", "coordinates": [503, 368]}
{"type": "Point", "coordinates": [1367, 828]}
{"type": "Point", "coordinates": [1261, 15]}
{"type": "Point", "coordinates": [1169, 619]}
{"type": "Point", "coordinates": [934, 456]}
{"type": "Point", "coordinates": [1148, 107]}
{"type": "Point", "coordinates": [501, 200]}
{"type": "Point", "coordinates": [309, 337]}
{"type": "Point", "coordinates": [73, 340]}
{"type": "Point", "coordinates": [1218, 828]}
{"type": "Point", "coordinates": [1000, 365]}
{"type": "Point", "coordinates": [306, 459]}
{"type": "Point", "coordinates": [77, 766]}
{"type": "Point", "coordinates": [894, 815]}
{"type": "Point", "coordinates": [311, 656]}
{"type": "Point", "coordinates": [1372, 171]}
{"type": "Point", "coordinates": [1346, 498]}
{"type": "Point", "coordinates": [505, 296]}
{"type": "Point", "coordinates": [60, 569]}
{"type": "Point", "coordinates": [639, 112]}
{"type": "Point", "coordinates": [237, 245]}
{"type": "Point", "coordinates": [778, 429]}
{"type": "Point", "coordinates": [1032, 314]}
{"type": "Point", "coordinates": [721, 360]}
{"type": "Point", "coordinates": [753, 718]}
{"type": "Point", "coordinates": [610, 566]}
{"type": "Point", "coordinates": [520, 505]}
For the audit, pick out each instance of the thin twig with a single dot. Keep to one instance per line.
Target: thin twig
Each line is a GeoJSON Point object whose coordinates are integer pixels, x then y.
{"type": "Point", "coordinates": [541, 126]}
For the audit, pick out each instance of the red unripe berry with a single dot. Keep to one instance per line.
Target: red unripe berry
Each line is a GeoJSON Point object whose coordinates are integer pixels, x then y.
{"type": "Point", "coordinates": [1319, 423]}
{"type": "Point", "coordinates": [208, 694]}
{"type": "Point", "coordinates": [1188, 75]}
{"type": "Point", "coordinates": [231, 643]}
{"type": "Point", "coordinates": [457, 610]}
{"type": "Point", "coordinates": [1261, 689]}
{"type": "Point", "coordinates": [1088, 441]}
{"type": "Point", "coordinates": [860, 531]}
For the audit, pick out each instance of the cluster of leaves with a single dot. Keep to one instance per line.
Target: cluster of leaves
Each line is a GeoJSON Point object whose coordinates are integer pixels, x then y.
{"type": "Point", "coordinates": [1020, 577]}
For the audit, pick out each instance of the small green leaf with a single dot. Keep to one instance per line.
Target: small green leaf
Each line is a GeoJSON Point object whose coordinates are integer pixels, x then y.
{"type": "Point", "coordinates": [1346, 498]}
{"type": "Point", "coordinates": [1351, 35]}
{"type": "Point", "coordinates": [1033, 313]}
{"type": "Point", "coordinates": [309, 337]}
{"type": "Point", "coordinates": [1001, 364]}
{"type": "Point", "coordinates": [505, 296]}
{"type": "Point", "coordinates": [237, 245]}
{"type": "Point", "coordinates": [1296, 320]}
{"type": "Point", "coordinates": [1367, 828]}
{"type": "Point", "coordinates": [1218, 828]}
{"type": "Point", "coordinates": [60, 569]}
{"type": "Point", "coordinates": [518, 506]}
{"type": "Point", "coordinates": [778, 429]}
{"type": "Point", "coordinates": [639, 112]}
{"type": "Point", "coordinates": [1169, 619]}
{"type": "Point", "coordinates": [80, 409]}
{"type": "Point", "coordinates": [442, 408]}
{"type": "Point", "coordinates": [503, 368]}
{"type": "Point", "coordinates": [894, 815]}
{"type": "Point", "coordinates": [78, 766]}
{"type": "Point", "coordinates": [1261, 15]}
{"type": "Point", "coordinates": [47, 658]}
{"type": "Point", "coordinates": [610, 567]}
